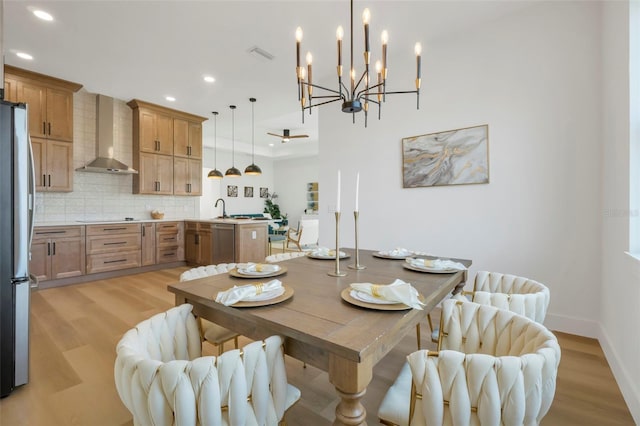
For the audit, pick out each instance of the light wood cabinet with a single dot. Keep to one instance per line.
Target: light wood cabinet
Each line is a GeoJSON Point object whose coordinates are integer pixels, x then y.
{"type": "Point", "coordinates": [198, 243]}
{"type": "Point", "coordinates": [53, 163]}
{"type": "Point", "coordinates": [111, 247]}
{"type": "Point", "coordinates": [155, 174]}
{"type": "Point", "coordinates": [50, 103]}
{"type": "Point", "coordinates": [57, 252]}
{"type": "Point", "coordinates": [187, 176]}
{"type": "Point", "coordinates": [148, 244]}
{"type": "Point", "coordinates": [187, 138]}
{"type": "Point", "coordinates": [170, 133]}
{"type": "Point", "coordinates": [170, 242]}
{"type": "Point", "coordinates": [212, 243]}
{"type": "Point", "coordinates": [250, 243]}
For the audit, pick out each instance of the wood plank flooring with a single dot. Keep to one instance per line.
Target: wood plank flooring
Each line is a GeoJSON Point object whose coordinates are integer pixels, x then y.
{"type": "Point", "coordinates": [74, 331]}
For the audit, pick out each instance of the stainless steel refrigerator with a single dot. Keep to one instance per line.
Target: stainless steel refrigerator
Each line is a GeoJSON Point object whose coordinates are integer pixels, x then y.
{"type": "Point", "coordinates": [17, 189]}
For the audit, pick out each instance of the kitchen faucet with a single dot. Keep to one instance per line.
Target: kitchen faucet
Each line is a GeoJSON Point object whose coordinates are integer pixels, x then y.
{"type": "Point", "coordinates": [224, 209]}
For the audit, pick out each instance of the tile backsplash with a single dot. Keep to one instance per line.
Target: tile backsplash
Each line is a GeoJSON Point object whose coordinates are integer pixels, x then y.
{"type": "Point", "coordinates": [98, 196]}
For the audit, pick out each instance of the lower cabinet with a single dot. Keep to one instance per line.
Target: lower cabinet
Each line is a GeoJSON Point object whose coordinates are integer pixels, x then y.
{"type": "Point", "coordinates": [250, 243]}
{"type": "Point", "coordinates": [148, 244]}
{"type": "Point", "coordinates": [209, 243]}
{"type": "Point", "coordinates": [57, 252]}
{"type": "Point", "coordinates": [113, 247]}
{"type": "Point", "coordinates": [169, 242]}
{"type": "Point", "coordinates": [198, 247]}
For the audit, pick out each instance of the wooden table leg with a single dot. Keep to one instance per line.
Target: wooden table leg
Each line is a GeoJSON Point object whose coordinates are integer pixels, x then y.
{"type": "Point", "coordinates": [350, 379]}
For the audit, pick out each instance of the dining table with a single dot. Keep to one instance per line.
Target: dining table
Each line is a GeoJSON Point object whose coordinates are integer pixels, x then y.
{"type": "Point", "coordinates": [321, 325]}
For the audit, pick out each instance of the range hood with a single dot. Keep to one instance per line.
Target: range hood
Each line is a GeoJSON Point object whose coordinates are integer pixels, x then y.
{"type": "Point", "coordinates": [105, 163]}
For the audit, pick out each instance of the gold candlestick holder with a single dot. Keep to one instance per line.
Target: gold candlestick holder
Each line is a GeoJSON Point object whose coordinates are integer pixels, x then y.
{"type": "Point", "coordinates": [337, 272]}
{"type": "Point", "coordinates": [357, 264]}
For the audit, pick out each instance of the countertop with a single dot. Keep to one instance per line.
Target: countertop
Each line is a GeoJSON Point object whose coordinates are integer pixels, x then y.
{"type": "Point", "coordinates": [208, 220]}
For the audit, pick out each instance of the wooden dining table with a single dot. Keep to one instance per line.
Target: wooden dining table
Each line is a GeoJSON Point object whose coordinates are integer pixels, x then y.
{"type": "Point", "coordinates": [321, 328]}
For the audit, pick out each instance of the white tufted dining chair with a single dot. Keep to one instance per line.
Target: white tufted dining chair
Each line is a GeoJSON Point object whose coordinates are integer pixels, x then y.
{"type": "Point", "coordinates": [521, 295]}
{"type": "Point", "coordinates": [279, 257]}
{"type": "Point", "coordinates": [163, 380]}
{"type": "Point", "coordinates": [211, 332]}
{"type": "Point", "coordinates": [493, 367]}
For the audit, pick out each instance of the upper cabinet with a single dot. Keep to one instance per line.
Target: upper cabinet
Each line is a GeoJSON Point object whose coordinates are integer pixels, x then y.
{"type": "Point", "coordinates": [171, 136]}
{"type": "Point", "coordinates": [50, 102]}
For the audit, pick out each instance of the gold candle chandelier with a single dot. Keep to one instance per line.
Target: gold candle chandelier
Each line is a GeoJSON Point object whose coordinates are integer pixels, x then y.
{"type": "Point", "coordinates": [360, 92]}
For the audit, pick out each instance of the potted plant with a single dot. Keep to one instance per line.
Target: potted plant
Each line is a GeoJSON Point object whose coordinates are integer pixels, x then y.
{"type": "Point", "coordinates": [271, 207]}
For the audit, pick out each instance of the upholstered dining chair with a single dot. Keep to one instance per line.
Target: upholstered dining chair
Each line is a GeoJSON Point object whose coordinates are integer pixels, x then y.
{"type": "Point", "coordinates": [492, 367]}
{"type": "Point", "coordinates": [163, 380]}
{"type": "Point", "coordinates": [279, 257]}
{"type": "Point", "coordinates": [521, 295]}
{"type": "Point", "coordinates": [211, 332]}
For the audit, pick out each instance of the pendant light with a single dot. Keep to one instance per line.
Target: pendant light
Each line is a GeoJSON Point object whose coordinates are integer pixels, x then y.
{"type": "Point", "coordinates": [232, 171]}
{"type": "Point", "coordinates": [252, 169]}
{"type": "Point", "coordinates": [215, 173]}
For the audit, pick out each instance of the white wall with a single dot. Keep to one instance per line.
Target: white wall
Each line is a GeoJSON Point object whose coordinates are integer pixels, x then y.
{"type": "Point", "coordinates": [620, 292]}
{"type": "Point", "coordinates": [290, 182]}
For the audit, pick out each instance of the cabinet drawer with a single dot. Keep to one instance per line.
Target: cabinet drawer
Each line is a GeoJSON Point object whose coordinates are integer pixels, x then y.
{"type": "Point", "coordinates": [46, 232]}
{"type": "Point", "coordinates": [169, 254]}
{"type": "Point", "coordinates": [164, 239]}
{"type": "Point", "coordinates": [112, 261]}
{"type": "Point", "coordinates": [191, 226]}
{"type": "Point", "coordinates": [112, 243]}
{"type": "Point", "coordinates": [111, 229]}
{"type": "Point", "coordinates": [167, 227]}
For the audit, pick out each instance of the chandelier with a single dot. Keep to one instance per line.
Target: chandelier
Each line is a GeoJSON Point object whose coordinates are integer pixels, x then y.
{"type": "Point", "coordinates": [360, 93]}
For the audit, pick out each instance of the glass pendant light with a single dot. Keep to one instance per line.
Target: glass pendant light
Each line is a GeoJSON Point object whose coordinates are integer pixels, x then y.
{"type": "Point", "coordinates": [232, 171]}
{"type": "Point", "coordinates": [252, 169]}
{"type": "Point", "coordinates": [215, 173]}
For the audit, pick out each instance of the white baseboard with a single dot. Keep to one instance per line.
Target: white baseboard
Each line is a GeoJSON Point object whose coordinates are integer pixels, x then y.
{"type": "Point", "coordinates": [571, 325]}
{"type": "Point", "coordinates": [629, 390]}
{"type": "Point", "coordinates": [594, 330]}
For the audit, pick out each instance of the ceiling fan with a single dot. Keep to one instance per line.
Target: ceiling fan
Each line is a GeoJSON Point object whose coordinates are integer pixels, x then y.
{"type": "Point", "coordinates": [286, 136]}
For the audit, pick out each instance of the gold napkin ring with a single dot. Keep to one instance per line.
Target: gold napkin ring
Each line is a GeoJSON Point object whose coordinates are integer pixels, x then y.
{"type": "Point", "coordinates": [259, 267]}
{"type": "Point", "coordinates": [258, 287]}
{"type": "Point", "coordinates": [374, 291]}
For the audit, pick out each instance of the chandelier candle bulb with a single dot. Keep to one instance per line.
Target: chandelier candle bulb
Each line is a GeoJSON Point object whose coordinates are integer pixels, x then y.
{"type": "Point", "coordinates": [385, 40]}
{"type": "Point", "coordinates": [366, 15]}
{"type": "Point", "coordinates": [298, 40]}
{"type": "Point", "coordinates": [309, 60]}
{"type": "Point", "coordinates": [418, 50]}
{"type": "Point", "coordinates": [339, 35]}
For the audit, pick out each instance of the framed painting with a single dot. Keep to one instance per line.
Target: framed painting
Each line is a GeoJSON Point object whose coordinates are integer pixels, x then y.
{"type": "Point", "coordinates": [453, 157]}
{"type": "Point", "coordinates": [264, 192]}
{"type": "Point", "coordinates": [248, 191]}
{"type": "Point", "coordinates": [232, 191]}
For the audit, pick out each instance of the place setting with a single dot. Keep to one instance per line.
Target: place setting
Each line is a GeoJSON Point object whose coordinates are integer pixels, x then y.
{"type": "Point", "coordinates": [397, 253]}
{"type": "Point", "coordinates": [257, 270]}
{"type": "Point", "coordinates": [255, 294]}
{"type": "Point", "coordinates": [324, 253]}
{"type": "Point", "coordinates": [397, 296]}
{"type": "Point", "coordinates": [433, 266]}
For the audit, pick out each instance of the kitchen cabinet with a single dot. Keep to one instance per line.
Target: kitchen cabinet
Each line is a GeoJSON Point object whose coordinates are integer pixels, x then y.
{"type": "Point", "coordinates": [224, 243]}
{"type": "Point", "coordinates": [50, 102]}
{"type": "Point", "coordinates": [187, 138]}
{"type": "Point", "coordinates": [53, 164]}
{"type": "Point", "coordinates": [154, 128]}
{"type": "Point", "coordinates": [111, 247]}
{"type": "Point", "coordinates": [155, 174]}
{"type": "Point", "coordinates": [169, 242]}
{"type": "Point", "coordinates": [198, 245]}
{"type": "Point", "coordinates": [148, 244]}
{"type": "Point", "coordinates": [187, 176]}
{"type": "Point", "coordinates": [57, 252]}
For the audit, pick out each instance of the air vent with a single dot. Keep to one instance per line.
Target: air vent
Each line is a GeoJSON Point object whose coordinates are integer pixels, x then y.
{"type": "Point", "coordinates": [255, 50]}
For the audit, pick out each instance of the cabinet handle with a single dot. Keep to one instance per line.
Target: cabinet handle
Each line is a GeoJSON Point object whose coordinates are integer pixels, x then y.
{"type": "Point", "coordinates": [197, 239]}
{"type": "Point", "coordinates": [49, 129]}
{"type": "Point", "coordinates": [115, 243]}
{"type": "Point", "coordinates": [114, 261]}
{"type": "Point", "coordinates": [44, 128]}
{"type": "Point", "coordinates": [143, 231]}
{"type": "Point", "coordinates": [50, 232]}
{"type": "Point", "coordinates": [54, 248]}
{"type": "Point", "coordinates": [44, 180]}
{"type": "Point", "coordinates": [114, 229]}
{"type": "Point", "coordinates": [189, 148]}
{"type": "Point", "coordinates": [49, 180]}
{"type": "Point", "coordinates": [169, 254]}
{"type": "Point", "coordinates": [48, 249]}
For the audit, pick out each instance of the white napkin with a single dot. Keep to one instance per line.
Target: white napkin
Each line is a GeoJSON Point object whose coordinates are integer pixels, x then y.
{"type": "Point", "coordinates": [397, 252]}
{"type": "Point", "coordinates": [398, 291]}
{"type": "Point", "coordinates": [251, 292]}
{"type": "Point", "coordinates": [325, 252]}
{"type": "Point", "coordinates": [436, 264]}
{"type": "Point", "coordinates": [257, 268]}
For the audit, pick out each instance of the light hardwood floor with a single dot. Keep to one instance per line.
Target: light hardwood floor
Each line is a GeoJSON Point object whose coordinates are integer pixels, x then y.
{"type": "Point", "coordinates": [74, 331]}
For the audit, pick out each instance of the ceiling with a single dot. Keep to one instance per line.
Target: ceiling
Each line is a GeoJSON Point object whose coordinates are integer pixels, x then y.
{"type": "Point", "coordinates": [150, 49]}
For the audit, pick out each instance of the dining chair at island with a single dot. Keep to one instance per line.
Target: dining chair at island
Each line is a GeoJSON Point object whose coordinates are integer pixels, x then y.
{"type": "Point", "coordinates": [163, 379]}
{"type": "Point", "coordinates": [306, 235]}
{"type": "Point", "coordinates": [492, 367]}
{"type": "Point", "coordinates": [212, 332]}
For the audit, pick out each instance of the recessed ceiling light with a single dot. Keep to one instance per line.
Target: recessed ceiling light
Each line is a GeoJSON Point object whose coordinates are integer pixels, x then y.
{"type": "Point", "coordinates": [209, 79]}
{"type": "Point", "coordinates": [270, 144]}
{"type": "Point", "coordinates": [43, 15]}
{"type": "Point", "coordinates": [170, 98]}
{"type": "Point", "coordinates": [24, 55]}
